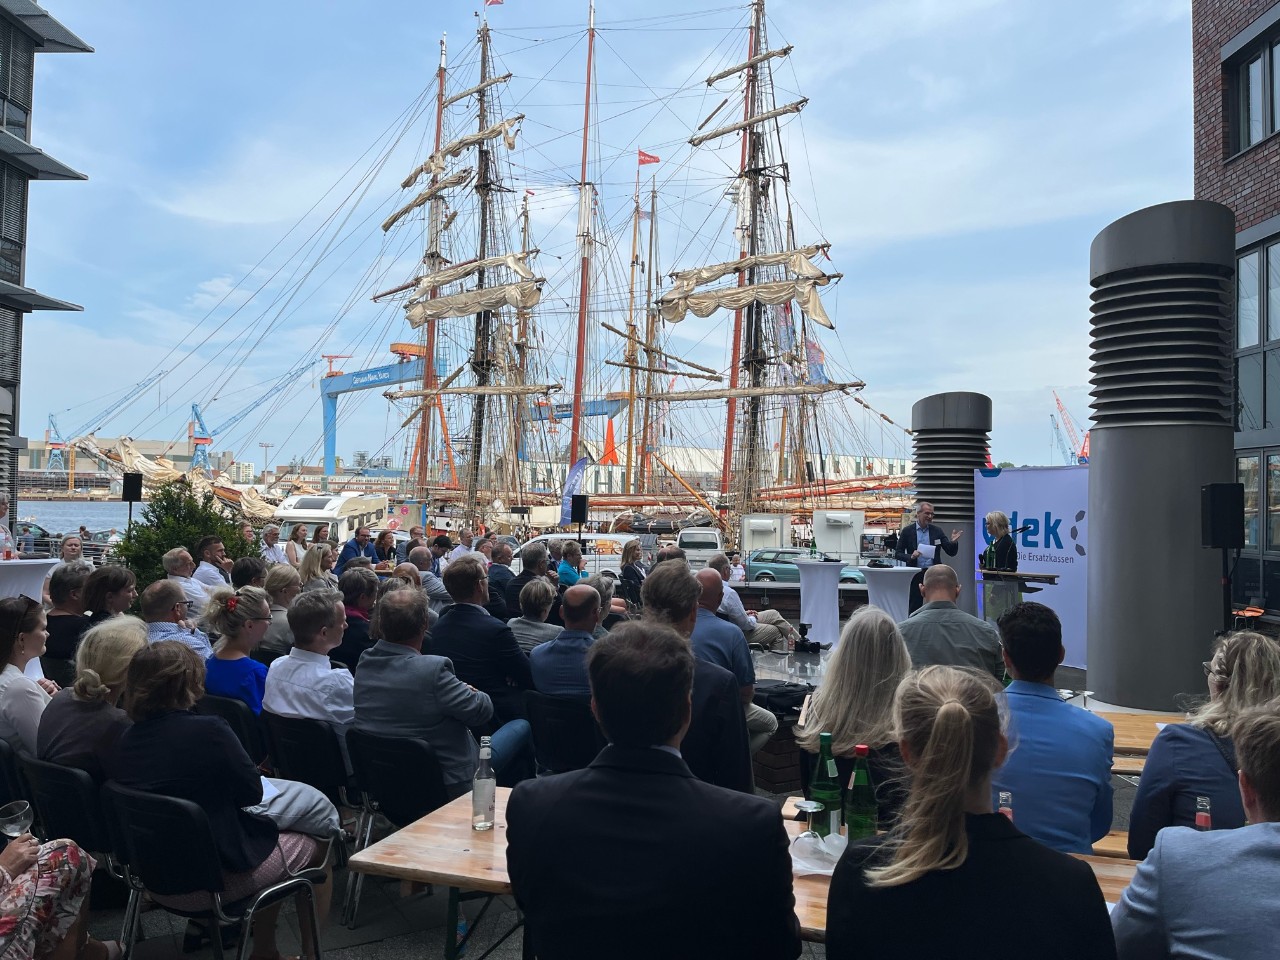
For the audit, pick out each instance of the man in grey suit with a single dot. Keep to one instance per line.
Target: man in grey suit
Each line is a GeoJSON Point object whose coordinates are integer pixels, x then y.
{"type": "Point", "coordinates": [1214, 894]}
{"type": "Point", "coordinates": [402, 692]}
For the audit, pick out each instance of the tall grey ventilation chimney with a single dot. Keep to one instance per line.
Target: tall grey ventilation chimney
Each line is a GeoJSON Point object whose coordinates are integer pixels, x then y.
{"type": "Point", "coordinates": [951, 440]}
{"type": "Point", "coordinates": [1162, 427]}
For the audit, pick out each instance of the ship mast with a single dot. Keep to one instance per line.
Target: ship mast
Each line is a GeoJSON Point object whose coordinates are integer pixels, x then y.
{"type": "Point", "coordinates": [433, 261]}
{"type": "Point", "coordinates": [585, 244]}
{"type": "Point", "coordinates": [481, 357]}
{"type": "Point", "coordinates": [632, 355]}
{"type": "Point", "coordinates": [650, 335]}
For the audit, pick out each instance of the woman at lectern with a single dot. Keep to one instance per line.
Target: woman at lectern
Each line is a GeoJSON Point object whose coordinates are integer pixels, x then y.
{"type": "Point", "coordinates": [1002, 556]}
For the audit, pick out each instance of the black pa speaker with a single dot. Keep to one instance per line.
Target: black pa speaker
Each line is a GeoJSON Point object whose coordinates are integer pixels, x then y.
{"type": "Point", "coordinates": [578, 512]}
{"type": "Point", "coordinates": [131, 488]}
{"type": "Point", "coordinates": [1222, 515]}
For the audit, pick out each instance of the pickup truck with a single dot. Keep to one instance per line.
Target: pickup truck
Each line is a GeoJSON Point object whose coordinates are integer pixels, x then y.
{"type": "Point", "coordinates": [700, 544]}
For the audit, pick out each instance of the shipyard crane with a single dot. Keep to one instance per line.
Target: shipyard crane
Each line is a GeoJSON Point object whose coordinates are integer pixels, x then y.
{"type": "Point", "coordinates": [1079, 448]}
{"type": "Point", "coordinates": [1061, 441]}
{"type": "Point", "coordinates": [58, 442]}
{"type": "Point", "coordinates": [202, 438]}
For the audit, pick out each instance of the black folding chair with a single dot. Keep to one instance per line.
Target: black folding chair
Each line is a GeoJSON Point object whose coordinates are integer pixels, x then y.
{"type": "Point", "coordinates": [565, 734]}
{"type": "Point", "coordinates": [310, 752]}
{"type": "Point", "coordinates": [167, 849]}
{"type": "Point", "coordinates": [243, 722]}
{"type": "Point", "coordinates": [399, 777]}
{"type": "Point", "coordinates": [12, 785]}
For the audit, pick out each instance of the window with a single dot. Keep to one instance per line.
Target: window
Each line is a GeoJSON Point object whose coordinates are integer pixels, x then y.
{"type": "Point", "coordinates": [1247, 300]}
{"type": "Point", "coordinates": [1247, 469]}
{"type": "Point", "coordinates": [1252, 121]}
{"type": "Point", "coordinates": [1273, 501]}
{"type": "Point", "coordinates": [1249, 392]}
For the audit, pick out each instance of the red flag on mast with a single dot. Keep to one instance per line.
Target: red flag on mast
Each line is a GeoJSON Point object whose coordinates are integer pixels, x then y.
{"type": "Point", "coordinates": [647, 158]}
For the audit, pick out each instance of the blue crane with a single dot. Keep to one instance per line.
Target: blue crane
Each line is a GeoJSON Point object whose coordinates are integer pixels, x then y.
{"type": "Point", "coordinates": [202, 438]}
{"type": "Point", "coordinates": [1065, 450]}
{"type": "Point", "coordinates": [59, 442]}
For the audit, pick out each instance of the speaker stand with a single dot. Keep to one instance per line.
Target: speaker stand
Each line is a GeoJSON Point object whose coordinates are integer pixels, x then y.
{"type": "Point", "coordinates": [1226, 590]}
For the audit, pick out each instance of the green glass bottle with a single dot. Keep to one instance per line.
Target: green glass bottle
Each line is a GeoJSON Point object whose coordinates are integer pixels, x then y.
{"type": "Point", "coordinates": [860, 798]}
{"type": "Point", "coordinates": [824, 787]}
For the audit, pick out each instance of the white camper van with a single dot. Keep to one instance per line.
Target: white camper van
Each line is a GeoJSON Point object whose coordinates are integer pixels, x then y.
{"type": "Point", "coordinates": [343, 512]}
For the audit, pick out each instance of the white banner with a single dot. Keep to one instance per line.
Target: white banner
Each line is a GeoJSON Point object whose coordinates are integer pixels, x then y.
{"type": "Point", "coordinates": [1052, 502]}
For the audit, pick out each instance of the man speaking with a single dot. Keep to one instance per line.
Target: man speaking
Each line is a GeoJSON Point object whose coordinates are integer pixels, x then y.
{"type": "Point", "coordinates": [921, 545]}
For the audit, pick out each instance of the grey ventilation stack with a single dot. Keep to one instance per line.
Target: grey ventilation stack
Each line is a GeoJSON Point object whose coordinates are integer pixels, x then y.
{"type": "Point", "coordinates": [951, 441]}
{"type": "Point", "coordinates": [1162, 427]}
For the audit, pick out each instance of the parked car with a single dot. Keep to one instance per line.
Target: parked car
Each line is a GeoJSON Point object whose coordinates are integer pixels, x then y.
{"type": "Point", "coordinates": [101, 545]}
{"type": "Point", "coordinates": [779, 564]}
{"type": "Point", "coordinates": [34, 541]}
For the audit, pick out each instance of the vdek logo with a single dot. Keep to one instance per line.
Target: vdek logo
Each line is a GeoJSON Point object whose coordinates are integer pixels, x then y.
{"type": "Point", "coordinates": [363, 378]}
{"type": "Point", "coordinates": [1046, 535]}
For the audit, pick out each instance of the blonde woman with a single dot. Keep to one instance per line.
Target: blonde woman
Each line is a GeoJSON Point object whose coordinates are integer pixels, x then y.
{"type": "Point", "coordinates": [1001, 555]}
{"type": "Point", "coordinates": [283, 585]}
{"type": "Point", "coordinates": [1197, 758]}
{"type": "Point", "coordinates": [296, 546]}
{"type": "Point", "coordinates": [240, 618]}
{"type": "Point", "coordinates": [316, 571]}
{"type": "Point", "coordinates": [82, 723]}
{"type": "Point", "coordinates": [926, 889]}
{"type": "Point", "coordinates": [855, 705]}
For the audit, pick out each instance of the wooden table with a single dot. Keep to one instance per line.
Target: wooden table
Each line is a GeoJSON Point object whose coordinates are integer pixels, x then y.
{"type": "Point", "coordinates": [442, 848]}
{"type": "Point", "coordinates": [1135, 731]}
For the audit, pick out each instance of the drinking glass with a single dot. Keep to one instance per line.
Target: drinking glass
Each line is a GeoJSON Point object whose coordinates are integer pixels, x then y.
{"type": "Point", "coordinates": [809, 807]}
{"type": "Point", "coordinates": [15, 818]}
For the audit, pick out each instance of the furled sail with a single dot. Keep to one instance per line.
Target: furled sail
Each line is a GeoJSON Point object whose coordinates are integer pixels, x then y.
{"type": "Point", "coordinates": [747, 64]}
{"type": "Point", "coordinates": [797, 261]}
{"type": "Point", "coordinates": [453, 180]}
{"type": "Point", "coordinates": [442, 278]}
{"type": "Point", "coordinates": [492, 81]}
{"type": "Point", "coordinates": [434, 164]}
{"type": "Point", "coordinates": [803, 291]}
{"type": "Point", "coordinates": [742, 393]}
{"type": "Point", "coordinates": [795, 107]}
{"type": "Point", "coordinates": [523, 295]}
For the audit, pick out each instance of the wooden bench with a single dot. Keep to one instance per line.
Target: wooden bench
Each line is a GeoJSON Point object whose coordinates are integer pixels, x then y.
{"type": "Point", "coordinates": [1128, 766]}
{"type": "Point", "coordinates": [1114, 844]}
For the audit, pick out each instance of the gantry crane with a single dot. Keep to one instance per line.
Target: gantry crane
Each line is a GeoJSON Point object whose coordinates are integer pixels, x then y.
{"type": "Point", "coordinates": [202, 438]}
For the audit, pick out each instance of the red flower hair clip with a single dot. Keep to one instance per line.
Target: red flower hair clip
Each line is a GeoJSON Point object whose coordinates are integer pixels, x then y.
{"type": "Point", "coordinates": [231, 604]}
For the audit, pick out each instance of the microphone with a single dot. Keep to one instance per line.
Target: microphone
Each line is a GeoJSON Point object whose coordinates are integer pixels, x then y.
{"type": "Point", "coordinates": [1023, 529]}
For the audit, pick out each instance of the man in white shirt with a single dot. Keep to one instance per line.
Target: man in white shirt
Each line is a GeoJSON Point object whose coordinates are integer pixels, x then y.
{"type": "Point", "coordinates": [164, 607]}
{"type": "Point", "coordinates": [305, 683]}
{"type": "Point", "coordinates": [464, 544]}
{"type": "Point", "coordinates": [765, 627]}
{"type": "Point", "coordinates": [215, 565]}
{"type": "Point", "coordinates": [179, 567]}
{"type": "Point", "coordinates": [272, 552]}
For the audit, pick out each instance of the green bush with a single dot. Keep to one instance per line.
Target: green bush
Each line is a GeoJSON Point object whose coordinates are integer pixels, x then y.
{"type": "Point", "coordinates": [175, 517]}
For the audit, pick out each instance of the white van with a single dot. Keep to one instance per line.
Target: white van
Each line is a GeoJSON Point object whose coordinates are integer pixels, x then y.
{"type": "Point", "coordinates": [343, 512]}
{"type": "Point", "coordinates": [699, 544]}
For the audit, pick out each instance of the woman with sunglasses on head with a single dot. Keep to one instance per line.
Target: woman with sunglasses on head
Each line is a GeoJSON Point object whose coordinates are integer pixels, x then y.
{"type": "Point", "coordinates": [22, 700]}
{"type": "Point", "coordinates": [240, 618]}
{"type": "Point", "coordinates": [955, 879]}
{"type": "Point", "coordinates": [317, 568]}
{"type": "Point", "coordinates": [1196, 758]}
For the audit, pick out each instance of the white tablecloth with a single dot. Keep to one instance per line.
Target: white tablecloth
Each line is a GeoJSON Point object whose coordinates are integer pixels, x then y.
{"type": "Point", "coordinates": [24, 578]}
{"type": "Point", "coordinates": [889, 589]}
{"type": "Point", "coordinates": [820, 599]}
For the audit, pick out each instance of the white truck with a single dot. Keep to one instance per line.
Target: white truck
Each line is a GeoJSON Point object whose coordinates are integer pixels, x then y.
{"type": "Point", "coordinates": [700, 544]}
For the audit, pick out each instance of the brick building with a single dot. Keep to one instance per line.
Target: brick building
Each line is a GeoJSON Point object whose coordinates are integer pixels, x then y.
{"type": "Point", "coordinates": [1236, 65]}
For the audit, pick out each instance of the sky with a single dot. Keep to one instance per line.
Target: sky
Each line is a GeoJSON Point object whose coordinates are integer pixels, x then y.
{"type": "Point", "coordinates": [958, 155]}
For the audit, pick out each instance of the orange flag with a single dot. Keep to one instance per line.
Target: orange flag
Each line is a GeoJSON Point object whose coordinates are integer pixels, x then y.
{"type": "Point", "coordinates": [610, 456]}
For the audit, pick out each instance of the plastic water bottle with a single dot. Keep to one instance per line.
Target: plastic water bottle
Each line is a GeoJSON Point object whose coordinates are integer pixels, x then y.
{"type": "Point", "coordinates": [484, 787]}
{"type": "Point", "coordinates": [1204, 815]}
{"type": "Point", "coordinates": [1006, 804]}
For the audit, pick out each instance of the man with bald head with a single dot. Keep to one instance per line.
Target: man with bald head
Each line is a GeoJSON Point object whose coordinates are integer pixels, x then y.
{"type": "Point", "coordinates": [437, 596]}
{"type": "Point", "coordinates": [559, 666]}
{"type": "Point", "coordinates": [407, 571]}
{"type": "Point", "coordinates": [941, 633]}
{"type": "Point", "coordinates": [718, 641]}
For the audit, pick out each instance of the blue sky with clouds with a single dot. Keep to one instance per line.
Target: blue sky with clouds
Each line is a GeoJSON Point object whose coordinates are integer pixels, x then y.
{"type": "Point", "coordinates": [960, 155]}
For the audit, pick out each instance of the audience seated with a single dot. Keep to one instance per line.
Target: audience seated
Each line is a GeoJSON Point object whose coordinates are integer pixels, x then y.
{"type": "Point", "coordinates": [401, 691]}
{"type": "Point", "coordinates": [22, 700]}
{"type": "Point", "coordinates": [559, 667]}
{"type": "Point", "coordinates": [271, 549]}
{"type": "Point", "coordinates": [305, 683]}
{"type": "Point", "coordinates": [720, 642]}
{"type": "Point", "coordinates": [214, 567]}
{"type": "Point", "coordinates": [716, 748]}
{"type": "Point", "coordinates": [569, 569]}
{"type": "Point", "coordinates": [1059, 767]}
{"type": "Point", "coordinates": [70, 554]}
{"type": "Point", "coordinates": [941, 633]}
{"type": "Point", "coordinates": [424, 559]}
{"type": "Point", "coordinates": [630, 566]}
{"type": "Point", "coordinates": [283, 586]}
{"type": "Point", "coordinates": [44, 897]}
{"type": "Point", "coordinates": [534, 564]}
{"type": "Point", "coordinates": [65, 622]}
{"type": "Point", "coordinates": [1197, 758]}
{"type": "Point", "coordinates": [316, 571]}
{"type": "Point", "coordinates": [481, 647]}
{"type": "Point", "coordinates": [768, 628]}
{"type": "Point", "coordinates": [613, 609]}
{"type": "Point", "coordinates": [670, 552]}
{"type": "Point", "coordinates": [1215, 893]}
{"type": "Point", "coordinates": [591, 853]}
{"type": "Point", "coordinates": [81, 724]}
{"type": "Point", "coordinates": [249, 572]}
{"type": "Point", "coordinates": [440, 546]}
{"type": "Point", "coordinates": [531, 627]}
{"type": "Point", "coordinates": [359, 593]}
{"type": "Point", "coordinates": [240, 618]}
{"type": "Point", "coordinates": [109, 592]}
{"type": "Point", "coordinates": [173, 751]}
{"type": "Point", "coordinates": [927, 889]}
{"type": "Point", "coordinates": [407, 571]}
{"type": "Point", "coordinates": [179, 567]}
{"type": "Point", "coordinates": [854, 703]}
{"type": "Point", "coordinates": [165, 608]}
{"type": "Point", "coordinates": [357, 546]}
{"type": "Point", "coordinates": [500, 572]}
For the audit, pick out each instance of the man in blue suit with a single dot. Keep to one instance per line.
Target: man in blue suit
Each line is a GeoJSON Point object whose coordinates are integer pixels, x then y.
{"type": "Point", "coordinates": [923, 533]}
{"type": "Point", "coordinates": [1216, 893]}
{"type": "Point", "coordinates": [357, 546]}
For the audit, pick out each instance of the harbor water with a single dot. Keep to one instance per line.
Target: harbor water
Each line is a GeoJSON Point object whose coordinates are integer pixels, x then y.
{"type": "Point", "coordinates": [66, 516]}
